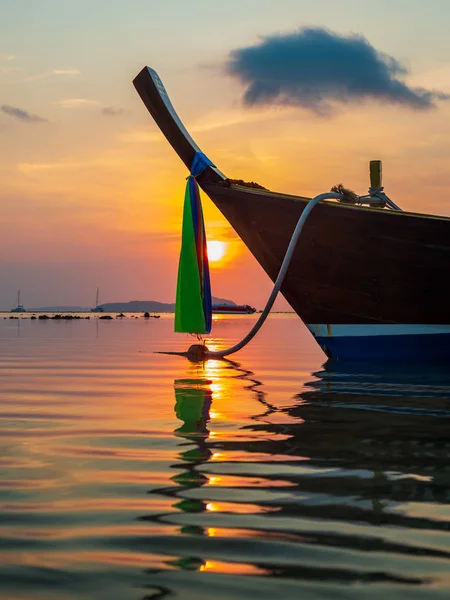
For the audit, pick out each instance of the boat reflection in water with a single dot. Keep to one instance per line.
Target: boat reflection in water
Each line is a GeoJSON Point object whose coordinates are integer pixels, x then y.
{"type": "Point", "coordinates": [192, 403]}
{"type": "Point", "coordinates": [354, 472]}
{"type": "Point", "coordinates": [378, 444]}
{"type": "Point", "coordinates": [392, 421]}
{"type": "Point", "coordinates": [381, 379]}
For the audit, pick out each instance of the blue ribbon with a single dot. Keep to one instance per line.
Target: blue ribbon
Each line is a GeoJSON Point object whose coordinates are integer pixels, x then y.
{"type": "Point", "coordinates": [200, 163]}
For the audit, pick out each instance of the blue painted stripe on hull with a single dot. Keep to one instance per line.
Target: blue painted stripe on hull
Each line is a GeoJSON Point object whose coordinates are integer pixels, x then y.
{"type": "Point", "coordinates": [422, 347]}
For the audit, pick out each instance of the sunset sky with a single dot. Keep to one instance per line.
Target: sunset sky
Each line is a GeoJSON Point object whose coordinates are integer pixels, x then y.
{"type": "Point", "coordinates": [91, 194]}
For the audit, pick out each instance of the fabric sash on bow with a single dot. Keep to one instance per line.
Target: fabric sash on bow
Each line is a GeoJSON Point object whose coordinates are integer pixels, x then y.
{"type": "Point", "coordinates": [193, 310]}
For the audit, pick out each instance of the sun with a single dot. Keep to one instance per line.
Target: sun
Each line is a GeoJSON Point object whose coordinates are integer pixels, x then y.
{"type": "Point", "coordinates": [216, 250]}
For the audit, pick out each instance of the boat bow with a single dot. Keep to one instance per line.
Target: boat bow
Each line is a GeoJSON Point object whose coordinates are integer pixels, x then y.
{"type": "Point", "coordinates": [153, 94]}
{"type": "Point", "coordinates": [371, 279]}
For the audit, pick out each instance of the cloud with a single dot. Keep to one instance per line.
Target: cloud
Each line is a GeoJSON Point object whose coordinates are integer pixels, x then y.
{"type": "Point", "coordinates": [86, 104]}
{"type": "Point", "coordinates": [78, 103]}
{"type": "Point", "coordinates": [314, 68]}
{"type": "Point", "coordinates": [142, 136]}
{"type": "Point", "coordinates": [21, 115]}
{"type": "Point", "coordinates": [206, 123]}
{"type": "Point", "coordinates": [67, 72]}
{"type": "Point", "coordinates": [110, 111]}
{"type": "Point", "coordinates": [5, 69]}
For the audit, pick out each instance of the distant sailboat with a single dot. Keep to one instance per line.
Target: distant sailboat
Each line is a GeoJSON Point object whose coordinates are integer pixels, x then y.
{"type": "Point", "coordinates": [97, 307]}
{"type": "Point", "coordinates": [19, 308]}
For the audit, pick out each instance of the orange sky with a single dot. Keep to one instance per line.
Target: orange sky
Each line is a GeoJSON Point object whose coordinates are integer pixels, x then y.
{"type": "Point", "coordinates": [93, 197]}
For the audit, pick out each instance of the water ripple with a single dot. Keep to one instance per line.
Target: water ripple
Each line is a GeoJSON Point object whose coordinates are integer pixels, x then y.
{"type": "Point", "coordinates": [127, 474]}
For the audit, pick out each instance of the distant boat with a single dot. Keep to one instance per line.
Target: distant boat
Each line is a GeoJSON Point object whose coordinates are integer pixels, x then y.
{"type": "Point", "coordinates": [368, 282]}
{"type": "Point", "coordinates": [232, 309]}
{"type": "Point", "coordinates": [19, 308]}
{"type": "Point", "coordinates": [97, 308]}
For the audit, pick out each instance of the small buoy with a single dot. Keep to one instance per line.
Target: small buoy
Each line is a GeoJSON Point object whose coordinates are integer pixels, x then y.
{"type": "Point", "coordinates": [197, 352]}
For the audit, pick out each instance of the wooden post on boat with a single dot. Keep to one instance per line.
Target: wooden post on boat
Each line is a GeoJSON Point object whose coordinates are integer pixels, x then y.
{"type": "Point", "coordinates": [376, 174]}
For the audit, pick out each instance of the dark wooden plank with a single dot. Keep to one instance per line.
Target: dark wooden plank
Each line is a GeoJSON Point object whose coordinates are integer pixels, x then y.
{"type": "Point", "coordinates": [352, 265]}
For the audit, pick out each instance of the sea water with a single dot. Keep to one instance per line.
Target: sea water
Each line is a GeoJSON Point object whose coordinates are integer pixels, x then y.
{"type": "Point", "coordinates": [126, 474]}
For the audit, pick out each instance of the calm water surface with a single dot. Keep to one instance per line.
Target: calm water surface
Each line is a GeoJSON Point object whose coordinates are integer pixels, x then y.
{"type": "Point", "coordinates": [132, 475]}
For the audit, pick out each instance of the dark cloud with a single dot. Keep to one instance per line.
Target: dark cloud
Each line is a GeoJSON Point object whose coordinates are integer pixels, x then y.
{"type": "Point", "coordinates": [21, 115]}
{"type": "Point", "coordinates": [110, 111]}
{"type": "Point", "coordinates": [313, 68]}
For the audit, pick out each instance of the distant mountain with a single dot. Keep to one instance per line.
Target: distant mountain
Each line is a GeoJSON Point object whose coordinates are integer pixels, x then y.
{"type": "Point", "coordinates": [133, 306]}
{"type": "Point", "coordinates": [138, 306]}
{"type": "Point", "coordinates": [150, 306]}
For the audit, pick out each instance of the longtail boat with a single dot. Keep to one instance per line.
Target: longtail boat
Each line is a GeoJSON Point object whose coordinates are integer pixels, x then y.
{"type": "Point", "coordinates": [232, 309]}
{"type": "Point", "coordinates": [368, 282]}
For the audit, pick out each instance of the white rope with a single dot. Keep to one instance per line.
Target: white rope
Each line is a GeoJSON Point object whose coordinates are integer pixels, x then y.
{"type": "Point", "coordinates": [383, 198]}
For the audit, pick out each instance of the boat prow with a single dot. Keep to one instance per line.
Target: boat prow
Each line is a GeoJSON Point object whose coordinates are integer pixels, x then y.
{"type": "Point", "coordinates": [368, 282]}
{"type": "Point", "coordinates": [153, 94]}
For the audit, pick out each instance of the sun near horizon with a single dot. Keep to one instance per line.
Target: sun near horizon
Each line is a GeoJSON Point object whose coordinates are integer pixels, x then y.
{"type": "Point", "coordinates": [216, 250]}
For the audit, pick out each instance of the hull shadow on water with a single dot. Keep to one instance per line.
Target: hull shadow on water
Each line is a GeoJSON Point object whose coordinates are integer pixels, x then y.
{"type": "Point", "coordinates": [349, 485]}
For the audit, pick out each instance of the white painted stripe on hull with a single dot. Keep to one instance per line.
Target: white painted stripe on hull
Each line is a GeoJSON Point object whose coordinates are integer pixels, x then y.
{"type": "Point", "coordinates": [330, 330]}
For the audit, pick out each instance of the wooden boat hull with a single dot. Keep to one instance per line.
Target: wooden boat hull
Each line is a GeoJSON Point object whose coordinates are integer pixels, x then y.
{"type": "Point", "coordinates": [369, 283]}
